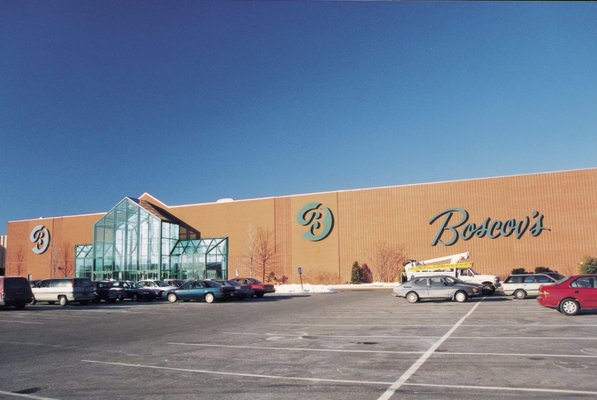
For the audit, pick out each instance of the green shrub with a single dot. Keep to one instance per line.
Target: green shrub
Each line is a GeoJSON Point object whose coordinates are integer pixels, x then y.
{"type": "Point", "coordinates": [588, 265]}
{"type": "Point", "coordinates": [540, 270]}
{"type": "Point", "coordinates": [366, 275]}
{"type": "Point", "coordinates": [517, 271]}
{"type": "Point", "coordinates": [356, 273]}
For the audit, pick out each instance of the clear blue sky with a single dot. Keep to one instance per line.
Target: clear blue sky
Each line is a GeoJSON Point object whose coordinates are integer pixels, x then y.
{"type": "Point", "coordinates": [193, 101]}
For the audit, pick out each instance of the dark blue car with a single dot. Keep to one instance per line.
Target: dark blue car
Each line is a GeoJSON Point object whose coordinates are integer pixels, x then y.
{"type": "Point", "coordinates": [200, 290]}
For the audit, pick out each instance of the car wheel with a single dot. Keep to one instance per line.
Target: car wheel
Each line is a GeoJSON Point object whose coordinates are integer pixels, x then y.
{"type": "Point", "coordinates": [33, 302]}
{"type": "Point", "coordinates": [412, 297]}
{"type": "Point", "coordinates": [20, 306]}
{"type": "Point", "coordinates": [569, 307]}
{"type": "Point", "coordinates": [209, 298]}
{"type": "Point", "coordinates": [259, 295]}
{"type": "Point", "coordinates": [62, 301]}
{"type": "Point", "coordinates": [460, 297]}
{"type": "Point", "coordinates": [489, 289]}
{"type": "Point", "coordinates": [172, 297]}
{"type": "Point", "coordinates": [520, 294]}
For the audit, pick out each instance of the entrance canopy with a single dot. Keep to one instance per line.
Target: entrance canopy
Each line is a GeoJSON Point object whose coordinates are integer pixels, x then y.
{"type": "Point", "coordinates": [139, 240]}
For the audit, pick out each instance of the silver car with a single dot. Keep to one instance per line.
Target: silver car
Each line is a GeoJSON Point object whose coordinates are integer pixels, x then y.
{"type": "Point", "coordinates": [435, 287]}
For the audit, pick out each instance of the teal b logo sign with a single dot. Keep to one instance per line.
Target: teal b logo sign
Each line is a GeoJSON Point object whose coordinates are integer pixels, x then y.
{"type": "Point", "coordinates": [318, 218]}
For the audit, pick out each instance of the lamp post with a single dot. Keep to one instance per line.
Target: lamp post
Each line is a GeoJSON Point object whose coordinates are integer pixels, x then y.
{"type": "Point", "coordinates": [300, 272]}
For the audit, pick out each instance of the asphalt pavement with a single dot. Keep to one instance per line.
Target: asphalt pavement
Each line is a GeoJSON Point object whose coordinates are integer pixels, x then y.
{"type": "Point", "coordinates": [350, 345]}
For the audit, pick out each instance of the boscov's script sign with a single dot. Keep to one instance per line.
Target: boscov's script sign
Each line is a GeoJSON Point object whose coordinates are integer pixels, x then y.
{"type": "Point", "coordinates": [454, 225]}
{"type": "Point", "coordinates": [318, 218]}
{"type": "Point", "coordinates": [40, 237]}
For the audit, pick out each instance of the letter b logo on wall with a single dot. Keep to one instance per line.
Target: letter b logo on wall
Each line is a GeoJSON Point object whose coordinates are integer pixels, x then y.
{"type": "Point", "coordinates": [318, 218]}
{"type": "Point", "coordinates": [40, 236]}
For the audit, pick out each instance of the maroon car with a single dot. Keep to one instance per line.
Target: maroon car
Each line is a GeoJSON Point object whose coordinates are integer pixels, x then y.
{"type": "Point", "coordinates": [259, 289]}
{"type": "Point", "coordinates": [571, 294]}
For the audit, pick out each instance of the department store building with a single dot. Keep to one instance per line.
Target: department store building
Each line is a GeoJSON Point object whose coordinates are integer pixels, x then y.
{"type": "Point", "coordinates": [523, 221]}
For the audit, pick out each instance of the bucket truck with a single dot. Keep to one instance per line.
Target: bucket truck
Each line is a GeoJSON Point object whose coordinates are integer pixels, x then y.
{"type": "Point", "coordinates": [453, 265]}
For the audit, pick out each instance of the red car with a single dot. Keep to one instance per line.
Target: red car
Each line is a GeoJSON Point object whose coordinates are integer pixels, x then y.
{"type": "Point", "coordinates": [259, 289]}
{"type": "Point", "coordinates": [570, 295]}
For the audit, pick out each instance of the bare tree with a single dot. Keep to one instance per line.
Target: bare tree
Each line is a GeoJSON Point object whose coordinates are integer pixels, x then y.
{"type": "Point", "coordinates": [265, 250]}
{"type": "Point", "coordinates": [251, 248]}
{"type": "Point", "coordinates": [387, 261]}
{"type": "Point", "coordinates": [18, 261]}
{"type": "Point", "coordinates": [65, 260]}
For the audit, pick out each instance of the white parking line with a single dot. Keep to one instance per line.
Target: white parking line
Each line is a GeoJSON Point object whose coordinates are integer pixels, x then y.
{"type": "Point", "coordinates": [297, 349]}
{"type": "Point", "coordinates": [441, 325]}
{"type": "Point", "coordinates": [537, 338]}
{"type": "Point", "coordinates": [304, 335]}
{"type": "Point", "coordinates": [203, 371]}
{"type": "Point", "coordinates": [308, 349]}
{"type": "Point", "coordinates": [21, 322]}
{"type": "Point", "coordinates": [367, 325]}
{"type": "Point", "coordinates": [349, 381]}
{"type": "Point", "coordinates": [459, 353]}
{"type": "Point", "coordinates": [315, 335]}
{"type": "Point", "coordinates": [505, 388]}
{"type": "Point", "coordinates": [27, 396]}
{"type": "Point", "coordinates": [405, 376]}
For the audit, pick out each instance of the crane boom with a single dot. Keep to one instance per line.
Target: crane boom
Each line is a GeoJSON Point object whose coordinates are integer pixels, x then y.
{"type": "Point", "coordinates": [453, 259]}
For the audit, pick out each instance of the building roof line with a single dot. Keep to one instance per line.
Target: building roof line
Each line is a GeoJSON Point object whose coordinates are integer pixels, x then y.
{"type": "Point", "coordinates": [325, 192]}
{"type": "Point", "coordinates": [390, 187]}
{"type": "Point", "coordinates": [62, 216]}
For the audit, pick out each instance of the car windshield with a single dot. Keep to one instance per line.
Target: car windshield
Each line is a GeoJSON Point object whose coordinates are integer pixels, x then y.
{"type": "Point", "coordinates": [161, 283]}
{"type": "Point", "coordinates": [564, 279]}
{"type": "Point", "coordinates": [254, 280]}
{"type": "Point", "coordinates": [452, 281]}
{"type": "Point", "coordinates": [555, 275]}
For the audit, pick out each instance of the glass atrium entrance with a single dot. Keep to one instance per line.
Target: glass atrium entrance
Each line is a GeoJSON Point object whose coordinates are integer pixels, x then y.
{"type": "Point", "coordinates": [138, 240]}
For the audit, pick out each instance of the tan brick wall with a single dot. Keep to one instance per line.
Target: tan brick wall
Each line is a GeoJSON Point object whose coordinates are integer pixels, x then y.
{"type": "Point", "coordinates": [366, 219]}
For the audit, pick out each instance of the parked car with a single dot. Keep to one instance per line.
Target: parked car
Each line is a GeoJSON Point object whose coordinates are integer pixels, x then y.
{"type": "Point", "coordinates": [175, 282]}
{"type": "Point", "coordinates": [522, 285]}
{"type": "Point", "coordinates": [240, 291]}
{"type": "Point", "coordinates": [108, 291]}
{"type": "Point", "coordinates": [137, 293]}
{"type": "Point", "coordinates": [200, 290]}
{"type": "Point", "coordinates": [64, 290]}
{"type": "Point", "coordinates": [481, 289]}
{"type": "Point", "coordinates": [570, 295]}
{"type": "Point", "coordinates": [259, 288]}
{"type": "Point", "coordinates": [160, 287]}
{"type": "Point", "coordinates": [435, 287]}
{"type": "Point", "coordinates": [15, 291]}
{"type": "Point", "coordinates": [34, 283]}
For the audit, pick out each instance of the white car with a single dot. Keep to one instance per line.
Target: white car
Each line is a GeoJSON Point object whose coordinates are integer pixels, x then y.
{"type": "Point", "coordinates": [522, 285]}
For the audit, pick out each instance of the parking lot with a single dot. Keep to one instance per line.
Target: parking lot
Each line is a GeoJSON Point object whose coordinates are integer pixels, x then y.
{"type": "Point", "coordinates": [349, 345]}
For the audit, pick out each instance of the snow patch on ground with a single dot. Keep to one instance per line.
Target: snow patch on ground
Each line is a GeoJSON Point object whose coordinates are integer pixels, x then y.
{"type": "Point", "coordinates": [308, 288]}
